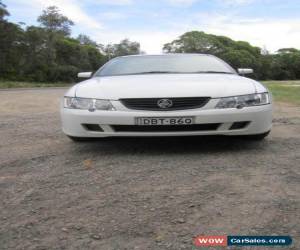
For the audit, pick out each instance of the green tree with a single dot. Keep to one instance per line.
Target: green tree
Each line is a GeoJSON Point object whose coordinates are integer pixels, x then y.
{"type": "Point", "coordinates": [286, 64]}
{"type": "Point", "coordinates": [45, 53]}
{"type": "Point", "coordinates": [49, 53]}
{"type": "Point", "coordinates": [195, 42]}
{"type": "Point", "coordinates": [11, 44]}
{"type": "Point", "coordinates": [3, 11]}
{"type": "Point", "coordinates": [287, 50]}
{"type": "Point", "coordinates": [57, 27]}
{"type": "Point", "coordinates": [36, 66]}
{"type": "Point", "coordinates": [125, 47]}
{"type": "Point", "coordinates": [53, 21]}
{"type": "Point", "coordinates": [86, 40]}
{"type": "Point", "coordinates": [69, 50]}
{"type": "Point", "coordinates": [237, 53]}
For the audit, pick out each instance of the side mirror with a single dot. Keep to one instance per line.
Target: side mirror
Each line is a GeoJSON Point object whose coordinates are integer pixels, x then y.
{"type": "Point", "coordinates": [245, 71]}
{"type": "Point", "coordinates": [85, 74]}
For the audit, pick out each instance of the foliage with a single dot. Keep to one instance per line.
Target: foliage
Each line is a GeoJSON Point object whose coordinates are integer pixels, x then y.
{"type": "Point", "coordinates": [11, 44]}
{"type": "Point", "coordinates": [53, 21]}
{"type": "Point", "coordinates": [3, 11]}
{"type": "Point", "coordinates": [85, 40]}
{"type": "Point", "coordinates": [285, 64]}
{"type": "Point", "coordinates": [47, 53]}
{"type": "Point", "coordinates": [125, 47]}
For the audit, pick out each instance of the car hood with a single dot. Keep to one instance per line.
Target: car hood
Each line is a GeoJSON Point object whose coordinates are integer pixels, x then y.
{"type": "Point", "coordinates": [165, 85]}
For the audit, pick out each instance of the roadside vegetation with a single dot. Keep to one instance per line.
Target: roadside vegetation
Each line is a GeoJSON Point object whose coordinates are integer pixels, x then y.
{"type": "Point", "coordinates": [16, 84]}
{"type": "Point", "coordinates": [285, 91]}
{"type": "Point", "coordinates": [282, 65]}
{"type": "Point", "coordinates": [48, 53]}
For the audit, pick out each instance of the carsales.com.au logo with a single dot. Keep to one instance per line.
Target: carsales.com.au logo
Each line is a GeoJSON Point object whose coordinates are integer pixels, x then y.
{"type": "Point", "coordinates": [212, 241]}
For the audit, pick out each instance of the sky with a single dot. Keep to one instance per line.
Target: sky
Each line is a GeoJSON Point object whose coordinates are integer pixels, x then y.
{"type": "Point", "coordinates": [270, 24]}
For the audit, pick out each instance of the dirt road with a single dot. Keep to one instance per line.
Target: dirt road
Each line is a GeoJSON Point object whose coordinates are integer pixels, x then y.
{"type": "Point", "coordinates": [140, 193]}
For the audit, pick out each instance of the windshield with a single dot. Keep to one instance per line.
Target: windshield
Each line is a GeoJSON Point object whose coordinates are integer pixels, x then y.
{"type": "Point", "coordinates": [164, 64]}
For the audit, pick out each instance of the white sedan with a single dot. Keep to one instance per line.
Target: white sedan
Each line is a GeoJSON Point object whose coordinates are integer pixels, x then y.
{"type": "Point", "coordinates": [166, 95]}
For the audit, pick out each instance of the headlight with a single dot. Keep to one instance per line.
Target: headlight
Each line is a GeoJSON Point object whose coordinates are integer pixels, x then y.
{"type": "Point", "coordinates": [243, 101]}
{"type": "Point", "coordinates": [87, 104]}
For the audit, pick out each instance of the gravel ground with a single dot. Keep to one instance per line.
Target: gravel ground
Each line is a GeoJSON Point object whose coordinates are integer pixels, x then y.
{"type": "Point", "coordinates": [140, 193]}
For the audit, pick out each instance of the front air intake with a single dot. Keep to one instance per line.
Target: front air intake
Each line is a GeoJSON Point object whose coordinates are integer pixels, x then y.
{"type": "Point", "coordinates": [169, 128]}
{"type": "Point", "coordinates": [92, 127]}
{"type": "Point", "coordinates": [239, 125]}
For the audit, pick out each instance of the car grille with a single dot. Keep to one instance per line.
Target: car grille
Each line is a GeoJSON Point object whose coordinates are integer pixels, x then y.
{"type": "Point", "coordinates": [168, 128]}
{"type": "Point", "coordinates": [178, 103]}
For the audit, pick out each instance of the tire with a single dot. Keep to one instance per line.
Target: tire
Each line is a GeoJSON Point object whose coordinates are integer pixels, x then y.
{"type": "Point", "coordinates": [80, 139]}
{"type": "Point", "coordinates": [257, 137]}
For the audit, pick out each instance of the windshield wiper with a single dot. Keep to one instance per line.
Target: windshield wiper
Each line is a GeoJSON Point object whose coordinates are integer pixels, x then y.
{"type": "Point", "coordinates": [213, 72]}
{"type": "Point", "coordinates": [174, 72]}
{"type": "Point", "coordinates": [171, 72]}
{"type": "Point", "coordinates": [155, 72]}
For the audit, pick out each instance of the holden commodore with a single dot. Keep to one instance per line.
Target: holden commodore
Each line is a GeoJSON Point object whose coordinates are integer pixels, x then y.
{"type": "Point", "coordinates": [167, 95]}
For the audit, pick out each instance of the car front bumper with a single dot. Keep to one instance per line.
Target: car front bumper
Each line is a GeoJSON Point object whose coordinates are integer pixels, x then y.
{"type": "Point", "coordinates": [258, 118]}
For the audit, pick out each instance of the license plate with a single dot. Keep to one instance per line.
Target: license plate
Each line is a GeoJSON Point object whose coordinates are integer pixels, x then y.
{"type": "Point", "coordinates": [150, 121]}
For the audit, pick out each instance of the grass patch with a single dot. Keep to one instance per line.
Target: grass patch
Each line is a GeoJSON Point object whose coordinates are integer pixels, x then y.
{"type": "Point", "coordinates": [285, 91]}
{"type": "Point", "coordinates": [13, 84]}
